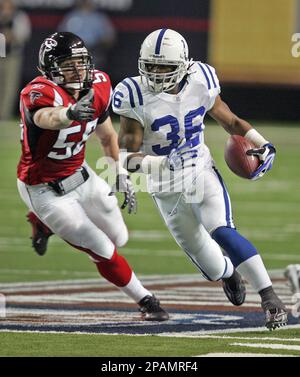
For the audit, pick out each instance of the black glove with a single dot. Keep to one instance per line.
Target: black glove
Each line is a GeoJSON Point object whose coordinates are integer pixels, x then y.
{"type": "Point", "coordinates": [124, 184]}
{"type": "Point", "coordinates": [82, 111]}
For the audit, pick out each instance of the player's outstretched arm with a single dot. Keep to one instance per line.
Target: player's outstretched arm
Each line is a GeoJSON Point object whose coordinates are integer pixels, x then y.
{"type": "Point", "coordinates": [52, 118]}
{"type": "Point", "coordinates": [56, 118]}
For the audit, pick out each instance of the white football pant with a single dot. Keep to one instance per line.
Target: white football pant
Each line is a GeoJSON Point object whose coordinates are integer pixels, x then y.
{"type": "Point", "coordinates": [87, 217]}
{"type": "Point", "coordinates": [192, 223]}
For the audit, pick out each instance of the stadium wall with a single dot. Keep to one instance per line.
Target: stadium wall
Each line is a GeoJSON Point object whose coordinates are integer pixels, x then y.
{"type": "Point", "coordinates": [231, 37]}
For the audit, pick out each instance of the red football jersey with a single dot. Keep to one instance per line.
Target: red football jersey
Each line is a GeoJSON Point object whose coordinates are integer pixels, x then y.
{"type": "Point", "coordinates": [51, 154]}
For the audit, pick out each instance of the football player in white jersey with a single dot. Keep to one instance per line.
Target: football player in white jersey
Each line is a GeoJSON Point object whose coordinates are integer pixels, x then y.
{"type": "Point", "coordinates": [161, 128]}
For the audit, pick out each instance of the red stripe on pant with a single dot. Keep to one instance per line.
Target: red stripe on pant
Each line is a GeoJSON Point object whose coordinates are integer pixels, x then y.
{"type": "Point", "coordinates": [116, 270]}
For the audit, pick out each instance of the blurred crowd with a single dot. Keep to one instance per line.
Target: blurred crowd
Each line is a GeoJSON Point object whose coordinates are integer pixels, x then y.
{"type": "Point", "coordinates": [16, 28]}
{"type": "Point", "coordinates": [93, 26]}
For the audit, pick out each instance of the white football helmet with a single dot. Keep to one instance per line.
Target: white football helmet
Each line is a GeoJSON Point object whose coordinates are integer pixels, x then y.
{"type": "Point", "coordinates": [163, 47]}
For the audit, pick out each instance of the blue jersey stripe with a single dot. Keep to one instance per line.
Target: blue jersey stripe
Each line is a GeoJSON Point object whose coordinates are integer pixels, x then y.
{"type": "Point", "coordinates": [205, 74]}
{"type": "Point", "coordinates": [141, 102]}
{"type": "Point", "coordinates": [211, 75]}
{"type": "Point", "coordinates": [159, 40]}
{"type": "Point", "coordinates": [228, 210]}
{"type": "Point", "coordinates": [131, 98]}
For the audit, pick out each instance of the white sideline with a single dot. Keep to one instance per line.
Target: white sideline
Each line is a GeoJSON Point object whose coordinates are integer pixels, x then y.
{"type": "Point", "coordinates": [241, 354]}
{"type": "Point", "coordinates": [268, 345]}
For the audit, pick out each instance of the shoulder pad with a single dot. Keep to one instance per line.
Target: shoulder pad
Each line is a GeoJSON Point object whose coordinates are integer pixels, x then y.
{"type": "Point", "coordinates": [207, 75]}
{"type": "Point", "coordinates": [37, 95]}
{"type": "Point", "coordinates": [128, 98]}
{"type": "Point", "coordinates": [102, 88]}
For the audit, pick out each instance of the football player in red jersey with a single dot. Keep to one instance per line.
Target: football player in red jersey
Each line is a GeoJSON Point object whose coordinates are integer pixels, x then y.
{"type": "Point", "coordinates": [59, 110]}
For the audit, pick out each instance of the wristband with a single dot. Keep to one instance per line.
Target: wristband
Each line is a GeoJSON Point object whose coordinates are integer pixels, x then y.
{"type": "Point", "coordinates": [256, 138]}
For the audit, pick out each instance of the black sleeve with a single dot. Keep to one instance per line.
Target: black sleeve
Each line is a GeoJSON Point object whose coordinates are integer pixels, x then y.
{"type": "Point", "coordinates": [103, 116]}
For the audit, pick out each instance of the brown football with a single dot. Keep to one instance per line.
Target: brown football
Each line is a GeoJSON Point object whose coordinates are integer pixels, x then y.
{"type": "Point", "coordinates": [237, 159]}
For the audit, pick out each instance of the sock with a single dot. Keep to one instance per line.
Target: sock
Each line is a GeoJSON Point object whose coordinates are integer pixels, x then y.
{"type": "Point", "coordinates": [135, 290]}
{"type": "Point", "coordinates": [244, 257]}
{"type": "Point", "coordinates": [116, 270]}
{"type": "Point", "coordinates": [254, 271]}
{"type": "Point", "coordinates": [229, 269]}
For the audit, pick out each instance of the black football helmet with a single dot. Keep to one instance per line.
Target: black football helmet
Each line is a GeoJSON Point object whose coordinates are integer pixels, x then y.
{"type": "Point", "coordinates": [65, 60]}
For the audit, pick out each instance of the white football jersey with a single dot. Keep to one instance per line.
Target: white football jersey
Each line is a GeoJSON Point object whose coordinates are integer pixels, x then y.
{"type": "Point", "coordinates": [168, 119]}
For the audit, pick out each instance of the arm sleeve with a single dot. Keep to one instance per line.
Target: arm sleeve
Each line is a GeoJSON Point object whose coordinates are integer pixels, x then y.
{"type": "Point", "coordinates": [103, 117]}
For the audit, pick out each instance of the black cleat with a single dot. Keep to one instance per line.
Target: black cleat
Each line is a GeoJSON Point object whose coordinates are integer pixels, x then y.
{"type": "Point", "coordinates": [276, 314]}
{"type": "Point", "coordinates": [40, 234]}
{"type": "Point", "coordinates": [151, 309]}
{"type": "Point", "coordinates": [275, 311]}
{"type": "Point", "coordinates": [235, 289]}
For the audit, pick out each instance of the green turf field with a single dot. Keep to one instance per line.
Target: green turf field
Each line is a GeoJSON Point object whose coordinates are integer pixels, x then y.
{"type": "Point", "coordinates": [266, 211]}
{"type": "Point", "coordinates": [16, 344]}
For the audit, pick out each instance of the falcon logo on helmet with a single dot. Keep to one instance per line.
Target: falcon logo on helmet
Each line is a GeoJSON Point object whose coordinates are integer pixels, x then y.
{"type": "Point", "coordinates": [50, 44]}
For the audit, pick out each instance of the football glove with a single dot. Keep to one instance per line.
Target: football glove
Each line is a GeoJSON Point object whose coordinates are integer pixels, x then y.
{"type": "Point", "coordinates": [123, 184]}
{"type": "Point", "coordinates": [266, 154]}
{"type": "Point", "coordinates": [182, 157]}
{"type": "Point", "coordinates": [82, 111]}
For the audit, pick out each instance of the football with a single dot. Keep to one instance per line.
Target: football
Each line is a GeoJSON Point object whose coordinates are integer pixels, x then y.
{"type": "Point", "coordinates": [237, 159]}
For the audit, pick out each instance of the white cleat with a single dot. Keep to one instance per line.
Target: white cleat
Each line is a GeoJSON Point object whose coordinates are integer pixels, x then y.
{"type": "Point", "coordinates": [292, 273]}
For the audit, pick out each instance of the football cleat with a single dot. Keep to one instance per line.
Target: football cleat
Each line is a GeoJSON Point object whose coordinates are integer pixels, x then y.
{"type": "Point", "coordinates": [40, 234]}
{"type": "Point", "coordinates": [151, 309]}
{"type": "Point", "coordinates": [234, 289]}
{"type": "Point", "coordinates": [292, 273]}
{"type": "Point", "coordinates": [276, 314]}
